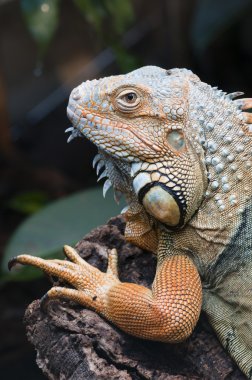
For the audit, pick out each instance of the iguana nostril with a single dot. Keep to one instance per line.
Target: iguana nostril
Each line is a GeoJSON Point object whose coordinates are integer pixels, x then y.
{"type": "Point", "coordinates": [76, 94]}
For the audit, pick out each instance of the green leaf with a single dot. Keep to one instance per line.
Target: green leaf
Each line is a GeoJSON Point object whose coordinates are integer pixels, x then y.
{"type": "Point", "coordinates": [120, 13]}
{"type": "Point", "coordinates": [28, 202]}
{"type": "Point", "coordinates": [114, 15]}
{"type": "Point", "coordinates": [111, 18]}
{"type": "Point", "coordinates": [125, 60]}
{"type": "Point", "coordinates": [212, 17]}
{"type": "Point", "coordinates": [93, 11]}
{"type": "Point", "coordinates": [41, 18]}
{"type": "Point", "coordinates": [65, 221]}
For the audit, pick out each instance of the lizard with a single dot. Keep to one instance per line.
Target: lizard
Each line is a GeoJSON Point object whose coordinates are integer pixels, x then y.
{"type": "Point", "coordinates": [180, 151]}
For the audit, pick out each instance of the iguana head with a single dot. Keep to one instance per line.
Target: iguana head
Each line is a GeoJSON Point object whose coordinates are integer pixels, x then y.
{"type": "Point", "coordinates": [141, 126]}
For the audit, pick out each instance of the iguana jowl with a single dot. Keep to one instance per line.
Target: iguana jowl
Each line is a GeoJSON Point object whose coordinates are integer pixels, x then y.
{"type": "Point", "coordinates": [181, 153]}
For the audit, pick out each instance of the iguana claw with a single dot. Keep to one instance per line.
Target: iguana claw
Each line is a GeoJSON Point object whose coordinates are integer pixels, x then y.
{"type": "Point", "coordinates": [12, 263]}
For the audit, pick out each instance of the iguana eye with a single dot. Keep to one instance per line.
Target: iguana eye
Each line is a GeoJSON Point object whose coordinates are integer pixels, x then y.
{"type": "Point", "coordinates": [130, 97]}
{"type": "Point", "coordinates": [128, 100]}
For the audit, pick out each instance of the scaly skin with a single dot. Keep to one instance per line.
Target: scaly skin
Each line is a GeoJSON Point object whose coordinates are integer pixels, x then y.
{"type": "Point", "coordinates": [180, 152]}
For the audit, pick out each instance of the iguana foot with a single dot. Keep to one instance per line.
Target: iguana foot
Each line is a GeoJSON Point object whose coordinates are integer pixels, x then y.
{"type": "Point", "coordinates": [91, 285]}
{"type": "Point", "coordinates": [166, 313]}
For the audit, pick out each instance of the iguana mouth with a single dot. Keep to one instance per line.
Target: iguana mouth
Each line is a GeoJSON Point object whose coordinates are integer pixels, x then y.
{"type": "Point", "coordinates": [115, 171]}
{"type": "Point", "coordinates": [135, 178]}
{"type": "Point", "coordinates": [88, 124]}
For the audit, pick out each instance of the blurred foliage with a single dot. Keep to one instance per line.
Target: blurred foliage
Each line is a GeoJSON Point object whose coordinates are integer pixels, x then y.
{"type": "Point", "coordinates": [28, 202]}
{"type": "Point", "coordinates": [62, 222]}
{"type": "Point", "coordinates": [126, 61]}
{"type": "Point", "coordinates": [213, 17]}
{"type": "Point", "coordinates": [41, 18]}
{"type": "Point", "coordinates": [109, 18]}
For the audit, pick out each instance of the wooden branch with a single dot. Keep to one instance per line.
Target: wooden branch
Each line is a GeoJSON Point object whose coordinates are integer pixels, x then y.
{"type": "Point", "coordinates": [74, 343]}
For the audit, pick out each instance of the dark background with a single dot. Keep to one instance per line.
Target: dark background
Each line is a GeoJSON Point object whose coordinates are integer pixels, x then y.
{"type": "Point", "coordinates": [210, 37]}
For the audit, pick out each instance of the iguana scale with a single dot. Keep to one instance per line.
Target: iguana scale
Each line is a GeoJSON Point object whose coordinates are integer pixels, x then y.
{"type": "Point", "coordinates": [181, 153]}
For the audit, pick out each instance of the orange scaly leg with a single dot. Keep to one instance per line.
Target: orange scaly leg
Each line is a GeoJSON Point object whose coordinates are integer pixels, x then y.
{"type": "Point", "coordinates": [166, 313]}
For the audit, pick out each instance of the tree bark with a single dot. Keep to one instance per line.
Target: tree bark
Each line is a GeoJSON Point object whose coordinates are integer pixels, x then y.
{"type": "Point", "coordinates": [76, 343]}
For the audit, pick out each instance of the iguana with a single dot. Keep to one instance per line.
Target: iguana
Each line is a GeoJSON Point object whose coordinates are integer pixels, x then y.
{"type": "Point", "coordinates": [181, 153]}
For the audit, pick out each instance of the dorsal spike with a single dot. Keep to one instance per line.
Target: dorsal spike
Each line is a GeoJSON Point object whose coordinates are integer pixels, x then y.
{"type": "Point", "coordinates": [234, 95]}
{"type": "Point", "coordinates": [103, 174]}
{"type": "Point", "coordinates": [100, 165]}
{"type": "Point", "coordinates": [106, 187]}
{"type": "Point", "coordinates": [117, 195]}
{"type": "Point", "coordinates": [97, 158]}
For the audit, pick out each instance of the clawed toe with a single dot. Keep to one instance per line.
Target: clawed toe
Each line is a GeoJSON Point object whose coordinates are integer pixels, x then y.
{"type": "Point", "coordinates": [73, 255]}
{"type": "Point", "coordinates": [12, 263]}
{"type": "Point", "coordinates": [44, 302]}
{"type": "Point", "coordinates": [59, 268]}
{"type": "Point", "coordinates": [90, 285]}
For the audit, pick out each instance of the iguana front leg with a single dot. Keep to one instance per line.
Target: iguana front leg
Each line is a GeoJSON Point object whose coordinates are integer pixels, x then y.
{"type": "Point", "coordinates": [166, 313]}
